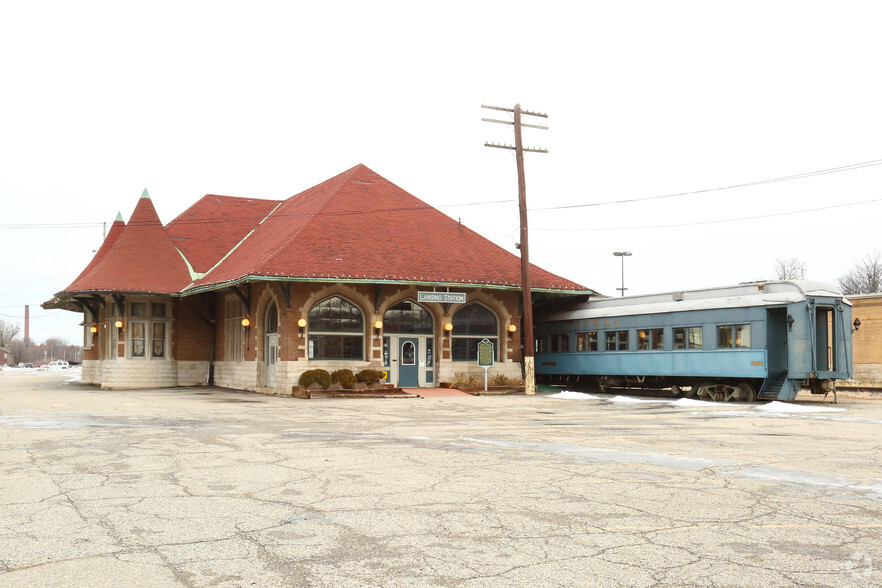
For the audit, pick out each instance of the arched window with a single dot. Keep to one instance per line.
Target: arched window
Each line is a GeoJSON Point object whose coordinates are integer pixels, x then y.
{"type": "Point", "coordinates": [472, 323]}
{"type": "Point", "coordinates": [407, 317]}
{"type": "Point", "coordinates": [336, 330]}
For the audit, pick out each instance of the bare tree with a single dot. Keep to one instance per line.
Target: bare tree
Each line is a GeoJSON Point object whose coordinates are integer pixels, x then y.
{"type": "Point", "coordinates": [790, 269]}
{"type": "Point", "coordinates": [865, 277]}
{"type": "Point", "coordinates": [8, 331]}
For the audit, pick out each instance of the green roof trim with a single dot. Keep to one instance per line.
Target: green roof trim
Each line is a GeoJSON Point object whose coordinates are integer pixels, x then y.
{"type": "Point", "coordinates": [144, 194]}
{"type": "Point", "coordinates": [118, 217]}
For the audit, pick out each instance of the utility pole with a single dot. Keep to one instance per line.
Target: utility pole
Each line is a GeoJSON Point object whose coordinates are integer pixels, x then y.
{"type": "Point", "coordinates": [518, 148]}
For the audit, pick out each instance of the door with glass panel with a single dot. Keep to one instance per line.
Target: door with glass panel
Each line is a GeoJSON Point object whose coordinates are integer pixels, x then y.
{"type": "Point", "coordinates": [271, 347]}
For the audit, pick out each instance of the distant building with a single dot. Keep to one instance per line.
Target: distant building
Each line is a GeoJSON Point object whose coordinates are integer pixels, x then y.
{"type": "Point", "coordinates": [867, 339]}
{"type": "Point", "coordinates": [4, 356]}
{"type": "Point", "coordinates": [250, 293]}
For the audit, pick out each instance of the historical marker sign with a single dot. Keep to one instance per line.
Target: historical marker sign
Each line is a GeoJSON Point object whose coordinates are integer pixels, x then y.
{"type": "Point", "coordinates": [485, 353]}
{"type": "Point", "coordinates": [446, 297]}
{"type": "Point", "coordinates": [485, 357]}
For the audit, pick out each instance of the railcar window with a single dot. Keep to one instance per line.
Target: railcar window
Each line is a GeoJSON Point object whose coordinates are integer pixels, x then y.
{"type": "Point", "coordinates": [657, 338]}
{"type": "Point", "coordinates": [610, 340]}
{"type": "Point", "coordinates": [729, 336]}
{"type": "Point", "coordinates": [695, 337]}
{"type": "Point", "coordinates": [554, 344]}
{"type": "Point", "coordinates": [650, 339]}
{"type": "Point", "coordinates": [687, 338]}
{"type": "Point", "coordinates": [580, 341]}
{"type": "Point", "coordinates": [565, 342]}
{"type": "Point", "coordinates": [742, 336]}
{"type": "Point", "coordinates": [725, 337]}
{"type": "Point", "coordinates": [592, 341]}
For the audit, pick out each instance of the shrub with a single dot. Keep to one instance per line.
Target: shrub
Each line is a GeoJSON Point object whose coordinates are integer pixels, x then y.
{"type": "Point", "coordinates": [466, 381]}
{"type": "Point", "coordinates": [503, 380]}
{"type": "Point", "coordinates": [369, 377]}
{"type": "Point", "coordinates": [344, 377]}
{"type": "Point", "coordinates": [320, 377]}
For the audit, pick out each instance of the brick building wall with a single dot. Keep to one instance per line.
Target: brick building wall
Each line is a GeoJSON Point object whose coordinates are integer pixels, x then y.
{"type": "Point", "coordinates": [373, 301]}
{"type": "Point", "coordinates": [867, 340]}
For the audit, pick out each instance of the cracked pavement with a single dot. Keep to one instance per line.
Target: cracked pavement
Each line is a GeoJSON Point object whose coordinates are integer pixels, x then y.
{"type": "Point", "coordinates": [211, 487]}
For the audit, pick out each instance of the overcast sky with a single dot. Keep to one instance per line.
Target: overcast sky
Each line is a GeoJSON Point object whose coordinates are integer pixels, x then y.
{"type": "Point", "coordinates": [266, 99]}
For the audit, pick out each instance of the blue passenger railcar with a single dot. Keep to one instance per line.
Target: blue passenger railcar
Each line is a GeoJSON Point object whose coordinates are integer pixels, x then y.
{"type": "Point", "coordinates": [764, 340]}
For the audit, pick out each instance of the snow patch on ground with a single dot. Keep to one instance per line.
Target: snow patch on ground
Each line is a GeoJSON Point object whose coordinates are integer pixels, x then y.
{"type": "Point", "coordinates": [693, 403]}
{"type": "Point", "coordinates": [567, 395]}
{"type": "Point", "coordinates": [786, 407]}
{"type": "Point", "coordinates": [774, 408]}
{"type": "Point", "coordinates": [633, 400]}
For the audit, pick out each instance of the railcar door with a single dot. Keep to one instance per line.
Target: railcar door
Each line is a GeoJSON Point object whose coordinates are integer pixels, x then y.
{"type": "Point", "coordinates": [776, 343]}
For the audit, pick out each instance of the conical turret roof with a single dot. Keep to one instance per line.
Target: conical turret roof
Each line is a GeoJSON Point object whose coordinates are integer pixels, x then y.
{"type": "Point", "coordinates": [141, 258]}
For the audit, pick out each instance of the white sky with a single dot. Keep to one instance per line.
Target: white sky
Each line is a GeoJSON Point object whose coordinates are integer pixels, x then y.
{"type": "Point", "coordinates": [262, 99]}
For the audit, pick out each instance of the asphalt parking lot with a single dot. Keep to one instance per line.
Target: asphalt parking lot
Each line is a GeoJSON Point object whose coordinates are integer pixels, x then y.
{"type": "Point", "coordinates": [211, 487]}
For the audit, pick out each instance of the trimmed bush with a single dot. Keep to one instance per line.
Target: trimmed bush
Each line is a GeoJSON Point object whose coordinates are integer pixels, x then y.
{"type": "Point", "coordinates": [344, 377]}
{"type": "Point", "coordinates": [310, 377]}
{"type": "Point", "coordinates": [369, 376]}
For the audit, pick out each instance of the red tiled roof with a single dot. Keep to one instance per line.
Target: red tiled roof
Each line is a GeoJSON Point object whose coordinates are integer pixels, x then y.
{"type": "Point", "coordinates": [359, 226]}
{"type": "Point", "coordinates": [355, 226]}
{"type": "Point", "coordinates": [209, 229]}
{"type": "Point", "coordinates": [141, 259]}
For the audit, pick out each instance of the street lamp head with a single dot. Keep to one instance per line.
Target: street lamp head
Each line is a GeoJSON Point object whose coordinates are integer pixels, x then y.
{"type": "Point", "coordinates": [622, 253]}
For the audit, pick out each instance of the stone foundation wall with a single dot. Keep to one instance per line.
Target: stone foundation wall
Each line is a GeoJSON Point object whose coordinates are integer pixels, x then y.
{"type": "Point", "coordinates": [91, 372]}
{"type": "Point", "coordinates": [238, 375]}
{"type": "Point", "coordinates": [127, 374]}
{"type": "Point", "coordinates": [869, 374]}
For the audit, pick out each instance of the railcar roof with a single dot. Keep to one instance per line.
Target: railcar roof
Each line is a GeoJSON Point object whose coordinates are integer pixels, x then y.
{"type": "Point", "coordinates": [740, 296]}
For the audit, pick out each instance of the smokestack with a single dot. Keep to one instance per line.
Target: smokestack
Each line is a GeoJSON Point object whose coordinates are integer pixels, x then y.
{"type": "Point", "coordinates": [27, 324]}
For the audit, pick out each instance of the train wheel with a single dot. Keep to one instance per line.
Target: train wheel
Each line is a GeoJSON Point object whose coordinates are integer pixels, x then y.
{"type": "Point", "coordinates": [706, 389]}
{"type": "Point", "coordinates": [744, 392]}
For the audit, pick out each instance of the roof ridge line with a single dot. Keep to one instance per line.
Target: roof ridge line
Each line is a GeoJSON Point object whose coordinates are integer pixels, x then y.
{"type": "Point", "coordinates": [350, 172]}
{"type": "Point", "coordinates": [237, 245]}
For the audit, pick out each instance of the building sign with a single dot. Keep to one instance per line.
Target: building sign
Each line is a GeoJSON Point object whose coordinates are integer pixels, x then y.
{"type": "Point", "coordinates": [446, 297]}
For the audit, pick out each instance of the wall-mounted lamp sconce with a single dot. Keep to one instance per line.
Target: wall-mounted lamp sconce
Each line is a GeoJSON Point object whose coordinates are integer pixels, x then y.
{"type": "Point", "coordinates": [378, 326]}
{"type": "Point", "coordinates": [301, 324]}
{"type": "Point", "coordinates": [790, 321]}
{"type": "Point", "coordinates": [246, 322]}
{"type": "Point", "coordinates": [448, 328]}
{"type": "Point", "coordinates": [119, 327]}
{"type": "Point", "coordinates": [93, 329]}
{"type": "Point", "coordinates": [512, 329]}
{"type": "Point", "coordinates": [856, 324]}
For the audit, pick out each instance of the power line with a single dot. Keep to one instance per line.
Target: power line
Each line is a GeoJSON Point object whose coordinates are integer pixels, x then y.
{"type": "Point", "coordinates": [718, 221]}
{"type": "Point", "coordinates": [799, 176]}
{"type": "Point", "coordinates": [844, 168]}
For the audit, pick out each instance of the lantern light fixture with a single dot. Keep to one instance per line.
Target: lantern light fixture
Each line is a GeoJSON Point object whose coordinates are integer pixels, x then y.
{"type": "Point", "coordinates": [512, 329]}
{"type": "Point", "coordinates": [301, 324]}
{"type": "Point", "coordinates": [378, 326]}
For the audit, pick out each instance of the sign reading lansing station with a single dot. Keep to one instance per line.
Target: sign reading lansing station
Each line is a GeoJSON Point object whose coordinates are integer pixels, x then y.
{"type": "Point", "coordinates": [447, 297]}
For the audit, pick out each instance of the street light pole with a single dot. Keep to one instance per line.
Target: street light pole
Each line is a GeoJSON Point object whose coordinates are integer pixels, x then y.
{"type": "Point", "coordinates": [623, 255]}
